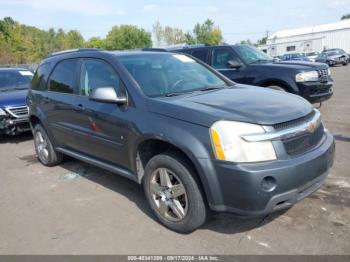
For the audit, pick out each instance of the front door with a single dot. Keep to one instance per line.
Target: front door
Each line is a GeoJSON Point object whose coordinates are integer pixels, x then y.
{"type": "Point", "coordinates": [104, 127]}
{"type": "Point", "coordinates": [220, 61]}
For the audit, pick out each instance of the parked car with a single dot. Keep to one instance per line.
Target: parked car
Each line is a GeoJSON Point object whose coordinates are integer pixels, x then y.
{"type": "Point", "coordinates": [194, 139]}
{"type": "Point", "coordinates": [333, 57]}
{"type": "Point", "coordinates": [14, 85]}
{"type": "Point", "coordinates": [247, 65]}
{"type": "Point", "coordinates": [312, 56]}
{"type": "Point", "coordinates": [295, 57]}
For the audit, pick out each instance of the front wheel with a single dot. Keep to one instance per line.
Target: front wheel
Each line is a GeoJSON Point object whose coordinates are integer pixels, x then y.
{"type": "Point", "coordinates": [173, 193]}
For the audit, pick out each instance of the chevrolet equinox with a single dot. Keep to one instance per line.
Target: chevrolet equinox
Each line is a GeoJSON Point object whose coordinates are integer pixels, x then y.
{"type": "Point", "coordinates": [194, 139]}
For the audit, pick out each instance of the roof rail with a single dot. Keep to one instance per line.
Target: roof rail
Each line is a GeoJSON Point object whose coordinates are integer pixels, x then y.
{"type": "Point", "coordinates": [154, 49]}
{"type": "Point", "coordinates": [72, 51]}
{"type": "Point", "coordinates": [195, 45]}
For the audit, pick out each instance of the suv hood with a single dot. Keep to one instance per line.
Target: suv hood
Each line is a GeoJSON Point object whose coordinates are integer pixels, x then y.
{"type": "Point", "coordinates": [13, 98]}
{"type": "Point", "coordinates": [240, 103]}
{"type": "Point", "coordinates": [334, 57]}
{"type": "Point", "coordinates": [296, 65]}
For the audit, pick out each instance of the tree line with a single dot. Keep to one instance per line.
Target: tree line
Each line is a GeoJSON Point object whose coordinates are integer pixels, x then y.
{"type": "Point", "coordinates": [22, 44]}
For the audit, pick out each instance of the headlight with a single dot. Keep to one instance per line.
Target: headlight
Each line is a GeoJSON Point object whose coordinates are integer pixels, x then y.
{"type": "Point", "coordinates": [229, 146]}
{"type": "Point", "coordinates": [310, 76]}
{"type": "Point", "coordinates": [2, 112]}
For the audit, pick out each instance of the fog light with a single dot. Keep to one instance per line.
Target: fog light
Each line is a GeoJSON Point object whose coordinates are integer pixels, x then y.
{"type": "Point", "coordinates": [268, 184]}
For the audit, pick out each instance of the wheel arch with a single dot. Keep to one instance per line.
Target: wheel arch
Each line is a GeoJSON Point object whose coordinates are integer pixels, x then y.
{"type": "Point", "coordinates": [152, 145]}
{"type": "Point", "coordinates": [277, 82]}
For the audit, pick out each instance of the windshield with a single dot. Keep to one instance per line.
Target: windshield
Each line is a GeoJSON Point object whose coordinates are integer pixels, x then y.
{"type": "Point", "coordinates": [250, 54]}
{"type": "Point", "coordinates": [332, 53]}
{"type": "Point", "coordinates": [162, 74]}
{"type": "Point", "coordinates": [297, 55]}
{"type": "Point", "coordinates": [12, 80]}
{"type": "Point", "coordinates": [311, 54]}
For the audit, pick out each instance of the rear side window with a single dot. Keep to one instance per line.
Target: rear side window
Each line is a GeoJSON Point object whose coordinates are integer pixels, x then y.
{"type": "Point", "coordinates": [40, 77]}
{"type": "Point", "coordinates": [201, 54]}
{"type": "Point", "coordinates": [63, 77]}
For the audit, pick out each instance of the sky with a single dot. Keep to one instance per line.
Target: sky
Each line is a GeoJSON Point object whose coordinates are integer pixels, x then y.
{"type": "Point", "coordinates": [238, 20]}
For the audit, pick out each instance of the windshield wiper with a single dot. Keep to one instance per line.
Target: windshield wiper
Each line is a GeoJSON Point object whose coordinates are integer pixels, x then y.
{"type": "Point", "coordinates": [208, 88]}
{"type": "Point", "coordinates": [176, 94]}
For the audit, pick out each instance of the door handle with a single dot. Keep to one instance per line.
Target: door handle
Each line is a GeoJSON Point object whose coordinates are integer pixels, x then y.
{"type": "Point", "coordinates": [80, 107]}
{"type": "Point", "coordinates": [46, 99]}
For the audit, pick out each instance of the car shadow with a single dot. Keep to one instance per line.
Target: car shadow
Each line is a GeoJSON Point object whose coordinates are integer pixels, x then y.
{"type": "Point", "coordinates": [16, 139]}
{"type": "Point", "coordinates": [219, 222]}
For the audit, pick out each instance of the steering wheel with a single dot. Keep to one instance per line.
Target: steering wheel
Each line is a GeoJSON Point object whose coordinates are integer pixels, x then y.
{"type": "Point", "coordinates": [178, 82]}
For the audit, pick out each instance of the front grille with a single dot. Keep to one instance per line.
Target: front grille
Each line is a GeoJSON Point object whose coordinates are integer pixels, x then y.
{"type": "Point", "coordinates": [18, 112]}
{"type": "Point", "coordinates": [294, 122]}
{"type": "Point", "coordinates": [301, 144]}
{"type": "Point", "coordinates": [323, 75]}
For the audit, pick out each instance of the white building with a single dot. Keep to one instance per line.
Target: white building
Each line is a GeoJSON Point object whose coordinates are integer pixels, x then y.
{"type": "Point", "coordinates": [309, 39]}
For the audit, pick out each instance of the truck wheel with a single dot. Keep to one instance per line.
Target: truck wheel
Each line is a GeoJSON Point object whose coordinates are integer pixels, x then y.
{"type": "Point", "coordinates": [44, 149]}
{"type": "Point", "coordinates": [173, 193]}
{"type": "Point", "coordinates": [279, 88]}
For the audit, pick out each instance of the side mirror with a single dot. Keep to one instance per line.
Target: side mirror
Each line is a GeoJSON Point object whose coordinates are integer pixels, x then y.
{"type": "Point", "coordinates": [233, 64]}
{"type": "Point", "coordinates": [107, 95]}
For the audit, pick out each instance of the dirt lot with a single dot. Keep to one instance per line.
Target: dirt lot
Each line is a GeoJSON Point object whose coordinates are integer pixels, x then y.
{"type": "Point", "coordinates": [75, 208]}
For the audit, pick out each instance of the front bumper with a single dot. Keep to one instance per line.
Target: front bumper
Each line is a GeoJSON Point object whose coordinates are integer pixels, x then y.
{"type": "Point", "coordinates": [239, 188]}
{"type": "Point", "coordinates": [13, 126]}
{"type": "Point", "coordinates": [316, 92]}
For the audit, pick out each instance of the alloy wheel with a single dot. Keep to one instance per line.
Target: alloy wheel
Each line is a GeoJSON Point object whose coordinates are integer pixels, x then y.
{"type": "Point", "coordinates": [168, 194]}
{"type": "Point", "coordinates": [42, 147]}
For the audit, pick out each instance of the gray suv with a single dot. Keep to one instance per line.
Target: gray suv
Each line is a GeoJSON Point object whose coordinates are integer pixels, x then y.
{"type": "Point", "coordinates": [194, 139]}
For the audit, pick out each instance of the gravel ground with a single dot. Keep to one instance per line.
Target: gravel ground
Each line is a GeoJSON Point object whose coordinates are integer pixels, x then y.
{"type": "Point", "coordinates": [76, 208]}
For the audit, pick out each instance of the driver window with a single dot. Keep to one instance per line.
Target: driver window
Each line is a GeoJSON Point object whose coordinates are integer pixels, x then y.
{"type": "Point", "coordinates": [222, 56]}
{"type": "Point", "coordinates": [97, 73]}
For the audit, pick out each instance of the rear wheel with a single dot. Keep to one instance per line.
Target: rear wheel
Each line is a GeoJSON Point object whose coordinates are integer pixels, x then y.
{"type": "Point", "coordinates": [44, 148]}
{"type": "Point", "coordinates": [173, 193]}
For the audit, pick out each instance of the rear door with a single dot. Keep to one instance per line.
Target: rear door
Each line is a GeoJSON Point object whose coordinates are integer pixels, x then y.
{"type": "Point", "coordinates": [58, 102]}
{"type": "Point", "coordinates": [220, 58]}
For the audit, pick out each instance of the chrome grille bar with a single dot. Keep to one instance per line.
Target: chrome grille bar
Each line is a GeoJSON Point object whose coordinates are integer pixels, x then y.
{"type": "Point", "coordinates": [304, 128]}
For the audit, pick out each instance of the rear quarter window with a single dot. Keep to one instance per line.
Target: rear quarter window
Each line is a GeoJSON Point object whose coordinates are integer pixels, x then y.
{"type": "Point", "coordinates": [201, 54]}
{"type": "Point", "coordinates": [40, 77]}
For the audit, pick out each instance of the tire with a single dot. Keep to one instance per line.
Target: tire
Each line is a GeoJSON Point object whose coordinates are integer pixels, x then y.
{"type": "Point", "coordinates": [163, 203]}
{"type": "Point", "coordinates": [44, 148]}
{"type": "Point", "coordinates": [278, 88]}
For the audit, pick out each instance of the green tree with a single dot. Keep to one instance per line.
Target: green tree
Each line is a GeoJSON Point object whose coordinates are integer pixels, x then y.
{"type": "Point", "coordinates": [127, 37]}
{"type": "Point", "coordinates": [73, 39]}
{"type": "Point", "coordinates": [346, 16]}
{"type": "Point", "coordinates": [95, 42]}
{"type": "Point", "coordinates": [262, 41]}
{"type": "Point", "coordinates": [207, 33]}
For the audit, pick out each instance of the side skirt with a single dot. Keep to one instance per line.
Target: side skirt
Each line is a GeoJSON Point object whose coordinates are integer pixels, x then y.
{"type": "Point", "coordinates": [98, 163]}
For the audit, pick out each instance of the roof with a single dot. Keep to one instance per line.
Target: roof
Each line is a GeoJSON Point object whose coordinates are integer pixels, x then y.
{"type": "Point", "coordinates": [343, 24]}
